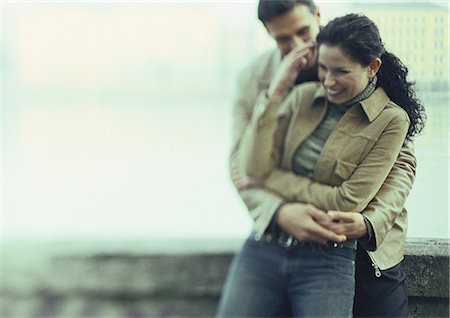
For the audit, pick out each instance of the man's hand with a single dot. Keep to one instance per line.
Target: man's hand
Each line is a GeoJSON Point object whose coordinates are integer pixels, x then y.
{"type": "Point", "coordinates": [350, 224]}
{"type": "Point", "coordinates": [290, 67]}
{"type": "Point", "coordinates": [306, 223]}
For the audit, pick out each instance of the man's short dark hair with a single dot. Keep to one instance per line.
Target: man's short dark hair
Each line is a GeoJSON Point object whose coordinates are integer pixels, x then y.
{"type": "Point", "coordinates": [268, 9]}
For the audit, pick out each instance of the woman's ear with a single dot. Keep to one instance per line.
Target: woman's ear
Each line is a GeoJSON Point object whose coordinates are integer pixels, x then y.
{"type": "Point", "coordinates": [374, 67]}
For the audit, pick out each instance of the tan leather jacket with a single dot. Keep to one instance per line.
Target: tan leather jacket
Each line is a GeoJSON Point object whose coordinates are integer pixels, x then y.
{"type": "Point", "coordinates": [386, 210]}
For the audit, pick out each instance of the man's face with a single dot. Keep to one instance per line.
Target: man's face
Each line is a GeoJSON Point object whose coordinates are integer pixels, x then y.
{"type": "Point", "coordinates": [294, 28]}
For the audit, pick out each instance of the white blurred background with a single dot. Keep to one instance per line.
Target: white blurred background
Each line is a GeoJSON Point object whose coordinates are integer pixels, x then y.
{"type": "Point", "coordinates": [116, 116]}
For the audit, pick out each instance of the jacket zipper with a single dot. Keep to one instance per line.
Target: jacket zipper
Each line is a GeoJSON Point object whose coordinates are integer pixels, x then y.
{"type": "Point", "coordinates": [374, 265]}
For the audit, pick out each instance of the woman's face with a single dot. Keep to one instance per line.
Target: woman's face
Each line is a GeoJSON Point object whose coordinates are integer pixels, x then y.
{"type": "Point", "coordinates": [341, 77]}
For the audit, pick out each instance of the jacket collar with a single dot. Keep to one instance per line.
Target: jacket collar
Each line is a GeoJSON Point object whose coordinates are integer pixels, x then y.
{"type": "Point", "coordinates": [371, 106]}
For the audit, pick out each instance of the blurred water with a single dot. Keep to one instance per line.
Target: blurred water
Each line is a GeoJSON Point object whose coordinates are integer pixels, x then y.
{"type": "Point", "coordinates": [157, 168]}
{"type": "Point", "coordinates": [428, 203]}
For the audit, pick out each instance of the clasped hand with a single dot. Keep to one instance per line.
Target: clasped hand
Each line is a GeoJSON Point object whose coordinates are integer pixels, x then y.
{"type": "Point", "coordinates": [306, 222]}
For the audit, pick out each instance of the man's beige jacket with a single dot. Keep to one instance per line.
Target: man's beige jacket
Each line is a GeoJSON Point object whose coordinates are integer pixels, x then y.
{"type": "Point", "coordinates": [382, 203]}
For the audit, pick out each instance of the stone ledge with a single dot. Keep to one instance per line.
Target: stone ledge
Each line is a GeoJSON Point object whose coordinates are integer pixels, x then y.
{"type": "Point", "coordinates": [426, 265]}
{"type": "Point", "coordinates": [145, 275]}
{"type": "Point", "coordinates": [177, 283]}
{"type": "Point", "coordinates": [202, 274]}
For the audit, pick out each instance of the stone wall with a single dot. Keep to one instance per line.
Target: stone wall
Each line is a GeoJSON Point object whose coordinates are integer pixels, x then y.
{"type": "Point", "coordinates": [177, 284]}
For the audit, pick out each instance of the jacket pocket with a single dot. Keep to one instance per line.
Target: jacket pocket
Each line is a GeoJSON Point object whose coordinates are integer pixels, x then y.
{"type": "Point", "coordinates": [356, 148]}
{"type": "Point", "coordinates": [344, 169]}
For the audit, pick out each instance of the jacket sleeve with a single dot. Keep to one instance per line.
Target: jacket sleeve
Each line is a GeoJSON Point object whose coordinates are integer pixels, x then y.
{"type": "Point", "coordinates": [261, 202]}
{"type": "Point", "coordinates": [355, 193]}
{"type": "Point", "coordinates": [390, 200]}
{"type": "Point", "coordinates": [263, 138]}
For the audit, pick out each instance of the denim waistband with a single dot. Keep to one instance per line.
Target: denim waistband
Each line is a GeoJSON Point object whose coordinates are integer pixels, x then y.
{"type": "Point", "coordinates": [286, 240]}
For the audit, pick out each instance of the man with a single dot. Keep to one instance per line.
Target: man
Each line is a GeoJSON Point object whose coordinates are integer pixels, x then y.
{"type": "Point", "coordinates": [380, 290]}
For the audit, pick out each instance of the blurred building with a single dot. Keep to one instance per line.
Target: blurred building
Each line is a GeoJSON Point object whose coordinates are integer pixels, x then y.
{"type": "Point", "coordinates": [417, 33]}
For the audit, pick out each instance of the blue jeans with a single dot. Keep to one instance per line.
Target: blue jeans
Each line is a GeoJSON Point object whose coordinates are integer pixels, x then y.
{"type": "Point", "coordinates": [310, 280]}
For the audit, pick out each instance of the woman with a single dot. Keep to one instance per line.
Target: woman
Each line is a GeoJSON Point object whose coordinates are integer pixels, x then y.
{"type": "Point", "coordinates": [330, 145]}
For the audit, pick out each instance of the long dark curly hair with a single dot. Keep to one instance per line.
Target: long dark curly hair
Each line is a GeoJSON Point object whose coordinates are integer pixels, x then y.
{"type": "Point", "coordinates": [359, 37]}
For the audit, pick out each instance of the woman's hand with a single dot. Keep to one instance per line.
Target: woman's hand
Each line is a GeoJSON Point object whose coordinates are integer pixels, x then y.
{"type": "Point", "coordinates": [307, 223]}
{"type": "Point", "coordinates": [290, 67]}
{"type": "Point", "coordinates": [350, 224]}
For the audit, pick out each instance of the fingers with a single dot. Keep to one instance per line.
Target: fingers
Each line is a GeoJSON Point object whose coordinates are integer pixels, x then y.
{"type": "Point", "coordinates": [323, 231]}
{"type": "Point", "coordinates": [318, 227]}
{"type": "Point", "coordinates": [353, 226]}
{"type": "Point", "coordinates": [342, 228]}
{"type": "Point", "coordinates": [342, 222]}
{"type": "Point", "coordinates": [329, 235]}
{"type": "Point", "coordinates": [303, 50]}
{"type": "Point", "coordinates": [341, 216]}
{"type": "Point", "coordinates": [303, 47]}
{"type": "Point", "coordinates": [300, 58]}
{"type": "Point", "coordinates": [318, 215]}
{"type": "Point", "coordinates": [304, 223]}
{"type": "Point", "coordinates": [287, 72]}
{"type": "Point", "coordinates": [300, 51]}
{"type": "Point", "coordinates": [322, 235]}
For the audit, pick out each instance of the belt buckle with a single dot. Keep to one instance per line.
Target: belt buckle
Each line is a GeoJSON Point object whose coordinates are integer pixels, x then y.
{"type": "Point", "coordinates": [287, 242]}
